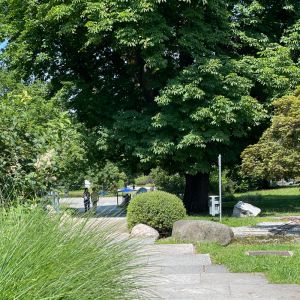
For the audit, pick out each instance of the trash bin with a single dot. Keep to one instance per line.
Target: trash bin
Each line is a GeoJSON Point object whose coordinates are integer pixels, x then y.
{"type": "Point", "coordinates": [214, 205]}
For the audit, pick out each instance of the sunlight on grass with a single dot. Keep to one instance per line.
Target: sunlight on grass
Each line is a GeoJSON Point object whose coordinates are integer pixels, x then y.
{"type": "Point", "coordinates": [233, 222]}
{"type": "Point", "coordinates": [50, 257]}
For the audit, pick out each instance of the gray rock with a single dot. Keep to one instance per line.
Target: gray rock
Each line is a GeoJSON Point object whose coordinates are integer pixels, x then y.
{"type": "Point", "coordinates": [144, 231]}
{"type": "Point", "coordinates": [202, 231]}
{"type": "Point", "coordinates": [242, 209]}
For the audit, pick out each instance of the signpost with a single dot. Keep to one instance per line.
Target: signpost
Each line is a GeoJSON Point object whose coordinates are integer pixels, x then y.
{"type": "Point", "coordinates": [220, 184]}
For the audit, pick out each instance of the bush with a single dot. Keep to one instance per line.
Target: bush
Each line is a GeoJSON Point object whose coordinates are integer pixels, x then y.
{"type": "Point", "coordinates": [43, 257]}
{"type": "Point", "coordinates": [143, 180]}
{"type": "Point", "coordinates": [157, 209]}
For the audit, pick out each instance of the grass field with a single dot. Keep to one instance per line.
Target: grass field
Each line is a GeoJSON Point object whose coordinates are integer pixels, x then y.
{"type": "Point", "coordinates": [273, 203]}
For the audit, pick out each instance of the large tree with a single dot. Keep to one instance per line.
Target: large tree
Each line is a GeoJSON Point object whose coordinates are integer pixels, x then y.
{"type": "Point", "coordinates": [170, 83]}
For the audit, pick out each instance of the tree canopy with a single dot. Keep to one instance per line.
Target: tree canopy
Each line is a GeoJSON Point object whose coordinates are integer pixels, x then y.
{"type": "Point", "coordinates": [40, 144]}
{"type": "Point", "coordinates": [170, 83]}
{"type": "Point", "coordinates": [277, 153]}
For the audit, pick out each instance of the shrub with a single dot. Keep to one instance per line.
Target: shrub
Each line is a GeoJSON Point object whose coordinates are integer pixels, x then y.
{"type": "Point", "coordinates": [143, 180]}
{"type": "Point", "coordinates": [157, 209]}
{"type": "Point", "coordinates": [47, 257]}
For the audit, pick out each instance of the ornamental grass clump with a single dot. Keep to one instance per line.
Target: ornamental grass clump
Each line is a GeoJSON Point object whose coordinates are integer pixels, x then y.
{"type": "Point", "coordinates": [50, 257]}
{"type": "Point", "coordinates": [157, 209]}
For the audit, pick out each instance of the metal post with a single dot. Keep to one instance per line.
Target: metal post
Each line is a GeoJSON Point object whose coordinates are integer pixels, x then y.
{"type": "Point", "coordinates": [220, 185]}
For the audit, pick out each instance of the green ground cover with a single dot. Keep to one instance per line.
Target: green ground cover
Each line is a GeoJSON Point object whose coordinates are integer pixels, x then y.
{"type": "Point", "coordinates": [233, 222]}
{"type": "Point", "coordinates": [273, 203]}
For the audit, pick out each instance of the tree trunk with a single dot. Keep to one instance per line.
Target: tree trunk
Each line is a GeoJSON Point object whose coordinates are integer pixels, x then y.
{"type": "Point", "coordinates": [196, 193]}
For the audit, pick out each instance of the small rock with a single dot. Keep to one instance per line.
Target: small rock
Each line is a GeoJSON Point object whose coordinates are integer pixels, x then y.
{"type": "Point", "coordinates": [202, 231]}
{"type": "Point", "coordinates": [144, 231]}
{"type": "Point", "coordinates": [242, 209]}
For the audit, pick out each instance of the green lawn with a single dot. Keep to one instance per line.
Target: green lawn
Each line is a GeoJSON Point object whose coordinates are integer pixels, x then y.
{"type": "Point", "coordinates": [233, 222]}
{"type": "Point", "coordinates": [273, 203]}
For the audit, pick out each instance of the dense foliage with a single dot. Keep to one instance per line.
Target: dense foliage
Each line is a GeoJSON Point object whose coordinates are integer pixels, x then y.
{"type": "Point", "coordinates": [171, 183]}
{"type": "Point", "coordinates": [106, 177]}
{"type": "Point", "coordinates": [40, 144]}
{"type": "Point", "coordinates": [44, 256]}
{"type": "Point", "coordinates": [156, 209]}
{"type": "Point", "coordinates": [169, 83]}
{"type": "Point", "coordinates": [277, 153]}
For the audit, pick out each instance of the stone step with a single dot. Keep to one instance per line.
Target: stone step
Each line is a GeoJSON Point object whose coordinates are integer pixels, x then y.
{"type": "Point", "coordinates": [234, 278]}
{"type": "Point", "coordinates": [179, 260]}
{"type": "Point", "coordinates": [189, 269]}
{"type": "Point", "coordinates": [215, 269]}
{"type": "Point", "coordinates": [216, 290]}
{"type": "Point", "coordinates": [170, 249]}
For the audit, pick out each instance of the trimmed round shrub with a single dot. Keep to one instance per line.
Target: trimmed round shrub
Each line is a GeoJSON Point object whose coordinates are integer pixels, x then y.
{"type": "Point", "coordinates": [157, 209]}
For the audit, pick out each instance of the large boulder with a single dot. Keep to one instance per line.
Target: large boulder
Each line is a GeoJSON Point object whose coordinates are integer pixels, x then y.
{"type": "Point", "coordinates": [242, 209]}
{"type": "Point", "coordinates": [202, 231]}
{"type": "Point", "coordinates": [144, 231]}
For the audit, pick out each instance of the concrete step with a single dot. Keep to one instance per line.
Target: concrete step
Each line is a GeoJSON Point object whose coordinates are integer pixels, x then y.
{"type": "Point", "coordinates": [215, 269]}
{"type": "Point", "coordinates": [180, 274]}
{"type": "Point", "coordinates": [234, 278]}
{"type": "Point", "coordinates": [170, 249]}
{"type": "Point", "coordinates": [179, 260]}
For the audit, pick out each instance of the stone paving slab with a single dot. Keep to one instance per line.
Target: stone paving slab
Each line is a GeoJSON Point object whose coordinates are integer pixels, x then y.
{"type": "Point", "coordinates": [215, 269]}
{"type": "Point", "coordinates": [192, 291]}
{"type": "Point", "coordinates": [171, 249]}
{"type": "Point", "coordinates": [265, 291]}
{"type": "Point", "coordinates": [182, 260]}
{"type": "Point", "coordinates": [236, 278]}
{"type": "Point", "coordinates": [181, 270]}
{"type": "Point", "coordinates": [268, 229]}
{"type": "Point", "coordinates": [182, 277]}
{"type": "Point", "coordinates": [177, 280]}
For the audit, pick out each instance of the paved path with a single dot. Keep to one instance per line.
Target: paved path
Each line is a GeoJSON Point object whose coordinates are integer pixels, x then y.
{"type": "Point", "coordinates": [287, 228]}
{"type": "Point", "coordinates": [180, 274]}
{"type": "Point", "coordinates": [176, 272]}
{"type": "Point", "coordinates": [106, 206]}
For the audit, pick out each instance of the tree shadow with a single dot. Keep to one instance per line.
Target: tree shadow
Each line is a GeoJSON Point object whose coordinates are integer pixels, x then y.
{"type": "Point", "coordinates": [269, 204]}
{"type": "Point", "coordinates": [103, 211]}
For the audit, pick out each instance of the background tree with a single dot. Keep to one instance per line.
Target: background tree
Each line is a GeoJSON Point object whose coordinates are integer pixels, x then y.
{"type": "Point", "coordinates": [169, 83]}
{"type": "Point", "coordinates": [41, 146]}
{"type": "Point", "coordinates": [171, 183]}
{"type": "Point", "coordinates": [277, 153]}
{"type": "Point", "coordinates": [107, 176]}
